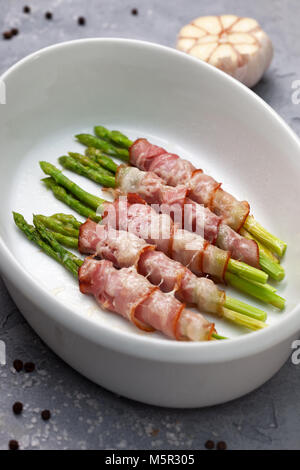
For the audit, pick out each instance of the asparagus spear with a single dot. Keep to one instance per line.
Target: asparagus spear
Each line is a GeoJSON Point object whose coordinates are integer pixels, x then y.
{"type": "Point", "coordinates": [258, 291]}
{"type": "Point", "coordinates": [93, 174]}
{"type": "Point", "coordinates": [66, 256]}
{"type": "Point", "coordinates": [101, 159]}
{"type": "Point", "coordinates": [64, 196]}
{"type": "Point", "coordinates": [115, 136]}
{"type": "Point", "coordinates": [272, 242]}
{"type": "Point", "coordinates": [33, 235]}
{"type": "Point", "coordinates": [67, 219]}
{"type": "Point", "coordinates": [89, 199]}
{"type": "Point", "coordinates": [251, 225]}
{"type": "Point", "coordinates": [60, 233]}
{"type": "Point", "coordinates": [58, 226]}
{"type": "Point", "coordinates": [92, 141]}
{"type": "Point", "coordinates": [89, 162]}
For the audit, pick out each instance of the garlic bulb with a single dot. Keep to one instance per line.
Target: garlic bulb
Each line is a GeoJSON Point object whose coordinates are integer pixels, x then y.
{"type": "Point", "coordinates": [236, 45]}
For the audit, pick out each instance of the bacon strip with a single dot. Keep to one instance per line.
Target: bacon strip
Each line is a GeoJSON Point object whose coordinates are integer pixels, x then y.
{"type": "Point", "coordinates": [183, 210]}
{"type": "Point", "coordinates": [158, 229]}
{"type": "Point", "coordinates": [202, 188]}
{"type": "Point", "coordinates": [124, 249]}
{"type": "Point", "coordinates": [132, 296]}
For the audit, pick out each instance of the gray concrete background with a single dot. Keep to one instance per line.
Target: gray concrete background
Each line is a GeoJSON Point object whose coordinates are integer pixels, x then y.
{"type": "Point", "coordinates": [86, 416]}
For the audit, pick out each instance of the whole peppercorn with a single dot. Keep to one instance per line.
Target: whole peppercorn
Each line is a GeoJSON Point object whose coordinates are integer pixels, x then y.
{"type": "Point", "coordinates": [13, 445]}
{"type": "Point", "coordinates": [29, 367]}
{"type": "Point", "coordinates": [221, 445]}
{"type": "Point", "coordinates": [46, 415]}
{"type": "Point", "coordinates": [81, 20]}
{"type": "Point", "coordinates": [209, 444]}
{"type": "Point", "coordinates": [18, 365]}
{"type": "Point", "coordinates": [26, 9]}
{"type": "Point", "coordinates": [48, 15]}
{"type": "Point", "coordinates": [7, 35]}
{"type": "Point", "coordinates": [134, 11]}
{"type": "Point", "coordinates": [14, 31]}
{"type": "Point", "coordinates": [17, 408]}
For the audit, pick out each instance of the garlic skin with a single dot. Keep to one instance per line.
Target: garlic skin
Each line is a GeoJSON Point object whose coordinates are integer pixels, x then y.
{"type": "Point", "coordinates": [236, 45]}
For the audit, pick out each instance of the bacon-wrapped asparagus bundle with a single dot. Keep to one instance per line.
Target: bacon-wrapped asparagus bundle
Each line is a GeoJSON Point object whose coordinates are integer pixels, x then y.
{"type": "Point", "coordinates": [195, 216]}
{"type": "Point", "coordinates": [208, 259]}
{"type": "Point", "coordinates": [131, 295]}
{"type": "Point", "coordinates": [173, 200]}
{"type": "Point", "coordinates": [76, 197]}
{"type": "Point", "coordinates": [125, 291]}
{"type": "Point", "coordinates": [174, 170]}
{"type": "Point", "coordinates": [124, 249]}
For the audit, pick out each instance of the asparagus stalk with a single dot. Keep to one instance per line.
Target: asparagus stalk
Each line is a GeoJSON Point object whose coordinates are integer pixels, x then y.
{"type": "Point", "coordinates": [96, 175]}
{"type": "Point", "coordinates": [67, 220]}
{"type": "Point", "coordinates": [89, 162]}
{"type": "Point", "coordinates": [92, 141]}
{"type": "Point", "coordinates": [245, 271]}
{"type": "Point", "coordinates": [258, 291]}
{"type": "Point", "coordinates": [115, 136]}
{"type": "Point", "coordinates": [62, 195]}
{"type": "Point", "coordinates": [268, 261]}
{"type": "Point", "coordinates": [66, 256]}
{"type": "Point", "coordinates": [33, 235]}
{"type": "Point", "coordinates": [275, 244]}
{"type": "Point", "coordinates": [101, 159]}
{"type": "Point", "coordinates": [245, 309]}
{"type": "Point", "coordinates": [58, 226]}
{"type": "Point", "coordinates": [61, 235]}
{"type": "Point", "coordinates": [89, 199]}
{"type": "Point", "coordinates": [243, 320]}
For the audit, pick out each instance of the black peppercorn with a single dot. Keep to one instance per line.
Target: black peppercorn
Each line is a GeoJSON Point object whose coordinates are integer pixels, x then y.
{"type": "Point", "coordinates": [13, 445]}
{"type": "Point", "coordinates": [209, 444]}
{"type": "Point", "coordinates": [134, 11]}
{"type": "Point", "coordinates": [14, 31]}
{"type": "Point", "coordinates": [7, 35]}
{"type": "Point", "coordinates": [46, 415]}
{"type": "Point", "coordinates": [29, 367]}
{"type": "Point", "coordinates": [81, 21]}
{"type": "Point", "coordinates": [48, 15]}
{"type": "Point", "coordinates": [26, 9]}
{"type": "Point", "coordinates": [17, 408]}
{"type": "Point", "coordinates": [221, 445]}
{"type": "Point", "coordinates": [18, 365]}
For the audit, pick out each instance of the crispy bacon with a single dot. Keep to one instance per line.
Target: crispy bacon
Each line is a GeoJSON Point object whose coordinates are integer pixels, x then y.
{"type": "Point", "coordinates": [202, 188]}
{"type": "Point", "coordinates": [124, 249]}
{"type": "Point", "coordinates": [194, 216]}
{"type": "Point", "coordinates": [158, 229]}
{"type": "Point", "coordinates": [132, 296]}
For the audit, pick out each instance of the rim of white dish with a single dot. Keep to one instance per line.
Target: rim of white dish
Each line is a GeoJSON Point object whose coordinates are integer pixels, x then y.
{"type": "Point", "coordinates": [124, 342]}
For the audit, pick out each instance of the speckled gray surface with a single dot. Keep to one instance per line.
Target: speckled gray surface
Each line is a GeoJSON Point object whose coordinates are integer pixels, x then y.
{"type": "Point", "coordinates": [84, 415]}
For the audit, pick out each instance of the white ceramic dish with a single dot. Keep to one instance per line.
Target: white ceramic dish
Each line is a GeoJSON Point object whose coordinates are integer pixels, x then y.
{"type": "Point", "coordinates": [192, 108]}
